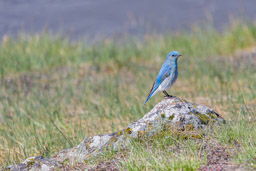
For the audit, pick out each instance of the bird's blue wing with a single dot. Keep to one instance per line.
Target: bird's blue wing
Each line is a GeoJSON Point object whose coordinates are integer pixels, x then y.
{"type": "Point", "coordinates": [163, 73]}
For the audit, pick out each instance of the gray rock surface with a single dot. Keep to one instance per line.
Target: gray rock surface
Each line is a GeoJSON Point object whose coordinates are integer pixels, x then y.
{"type": "Point", "coordinates": [170, 111]}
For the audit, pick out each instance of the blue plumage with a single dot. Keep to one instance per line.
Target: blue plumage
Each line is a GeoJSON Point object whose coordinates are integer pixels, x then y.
{"type": "Point", "coordinates": [167, 75]}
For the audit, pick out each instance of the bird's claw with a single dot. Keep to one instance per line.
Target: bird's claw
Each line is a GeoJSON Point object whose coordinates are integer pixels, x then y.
{"type": "Point", "coordinates": [169, 96]}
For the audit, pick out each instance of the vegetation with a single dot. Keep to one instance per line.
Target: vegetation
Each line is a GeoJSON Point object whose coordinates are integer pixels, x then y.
{"type": "Point", "coordinates": [54, 93]}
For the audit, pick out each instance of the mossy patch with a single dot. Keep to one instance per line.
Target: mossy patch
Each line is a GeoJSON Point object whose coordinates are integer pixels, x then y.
{"type": "Point", "coordinates": [149, 126]}
{"type": "Point", "coordinates": [119, 133]}
{"type": "Point", "coordinates": [30, 162]}
{"type": "Point", "coordinates": [171, 117]}
{"type": "Point", "coordinates": [88, 143]}
{"type": "Point", "coordinates": [113, 139]}
{"type": "Point", "coordinates": [203, 117]}
{"type": "Point", "coordinates": [212, 115]}
{"type": "Point", "coordinates": [162, 115]}
{"type": "Point", "coordinates": [171, 131]}
{"type": "Point", "coordinates": [127, 131]}
{"type": "Point", "coordinates": [189, 127]}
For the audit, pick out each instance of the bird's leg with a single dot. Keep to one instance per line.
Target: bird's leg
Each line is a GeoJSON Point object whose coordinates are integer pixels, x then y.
{"type": "Point", "coordinates": [166, 94]}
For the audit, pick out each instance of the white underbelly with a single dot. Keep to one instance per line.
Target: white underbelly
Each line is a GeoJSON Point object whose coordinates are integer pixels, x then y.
{"type": "Point", "coordinates": [167, 83]}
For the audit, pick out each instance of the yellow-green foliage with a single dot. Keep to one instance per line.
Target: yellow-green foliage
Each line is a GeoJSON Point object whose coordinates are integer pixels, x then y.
{"type": "Point", "coordinates": [54, 92]}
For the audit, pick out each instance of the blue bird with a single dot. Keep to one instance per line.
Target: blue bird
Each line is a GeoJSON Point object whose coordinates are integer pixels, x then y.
{"type": "Point", "coordinates": [167, 75]}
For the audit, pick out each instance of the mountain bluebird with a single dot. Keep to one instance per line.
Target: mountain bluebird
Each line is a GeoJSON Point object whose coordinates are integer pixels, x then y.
{"type": "Point", "coordinates": [167, 75]}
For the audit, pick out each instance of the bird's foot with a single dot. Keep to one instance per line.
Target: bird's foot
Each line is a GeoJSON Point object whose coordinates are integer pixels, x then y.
{"type": "Point", "coordinates": [169, 96]}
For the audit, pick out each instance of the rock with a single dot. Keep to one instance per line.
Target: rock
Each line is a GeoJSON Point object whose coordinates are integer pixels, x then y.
{"type": "Point", "coordinates": [170, 111]}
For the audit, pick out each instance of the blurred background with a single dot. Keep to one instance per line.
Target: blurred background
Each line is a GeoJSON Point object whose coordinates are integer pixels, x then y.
{"type": "Point", "coordinates": [107, 18]}
{"type": "Point", "coordinates": [72, 69]}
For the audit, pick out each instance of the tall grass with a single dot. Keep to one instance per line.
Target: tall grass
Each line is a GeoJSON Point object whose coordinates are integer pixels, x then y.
{"type": "Point", "coordinates": [55, 92]}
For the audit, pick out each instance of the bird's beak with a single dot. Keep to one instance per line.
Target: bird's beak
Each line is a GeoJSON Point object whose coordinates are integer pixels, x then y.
{"type": "Point", "coordinates": [179, 56]}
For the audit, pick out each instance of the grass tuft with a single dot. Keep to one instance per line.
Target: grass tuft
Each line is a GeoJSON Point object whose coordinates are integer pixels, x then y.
{"type": "Point", "coordinates": [54, 93]}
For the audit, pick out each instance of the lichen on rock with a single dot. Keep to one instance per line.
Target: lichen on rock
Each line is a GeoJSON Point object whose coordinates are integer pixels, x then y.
{"type": "Point", "coordinates": [171, 112]}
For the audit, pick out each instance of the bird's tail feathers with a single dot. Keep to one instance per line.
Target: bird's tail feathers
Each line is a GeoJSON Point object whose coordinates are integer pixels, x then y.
{"type": "Point", "coordinates": [152, 93]}
{"type": "Point", "coordinates": [147, 99]}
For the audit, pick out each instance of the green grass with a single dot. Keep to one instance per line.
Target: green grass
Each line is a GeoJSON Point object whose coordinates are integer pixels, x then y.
{"type": "Point", "coordinates": [166, 150]}
{"type": "Point", "coordinates": [54, 93]}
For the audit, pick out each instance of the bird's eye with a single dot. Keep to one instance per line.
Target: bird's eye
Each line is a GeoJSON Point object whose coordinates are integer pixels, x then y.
{"type": "Point", "coordinates": [172, 55]}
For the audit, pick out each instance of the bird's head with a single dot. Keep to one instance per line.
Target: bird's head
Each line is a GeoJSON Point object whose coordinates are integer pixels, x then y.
{"type": "Point", "coordinates": [173, 56]}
